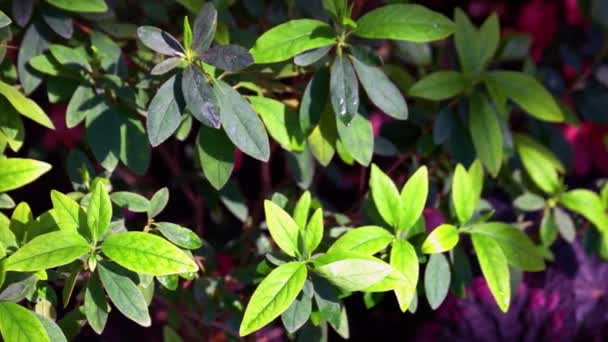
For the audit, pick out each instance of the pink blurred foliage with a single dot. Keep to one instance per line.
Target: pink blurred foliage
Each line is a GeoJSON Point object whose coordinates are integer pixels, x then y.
{"type": "Point", "coordinates": [61, 136]}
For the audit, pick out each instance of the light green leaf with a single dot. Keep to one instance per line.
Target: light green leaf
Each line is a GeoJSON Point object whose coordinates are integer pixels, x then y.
{"type": "Point", "coordinates": [462, 194]}
{"type": "Point", "coordinates": [494, 268]}
{"type": "Point", "coordinates": [440, 85]}
{"type": "Point", "coordinates": [82, 6]}
{"type": "Point", "coordinates": [475, 47]}
{"type": "Point", "coordinates": [17, 172]}
{"type": "Point", "coordinates": [4, 20]}
{"type": "Point", "coordinates": [282, 123]}
{"type": "Point", "coordinates": [301, 210]}
{"type": "Point", "coordinates": [216, 153]}
{"type": "Point", "coordinates": [291, 38]}
{"type": "Point", "coordinates": [125, 295]}
{"type": "Point", "coordinates": [385, 195]}
{"type": "Point", "coordinates": [357, 137]}
{"type": "Point", "coordinates": [323, 137]}
{"type": "Point", "coordinates": [68, 214]}
{"type": "Point", "coordinates": [53, 330]}
{"type": "Point", "coordinates": [18, 324]}
{"type": "Point", "coordinates": [314, 231]}
{"type": "Point", "coordinates": [273, 296]}
{"type": "Point", "coordinates": [486, 132]}
{"type": "Point", "coordinates": [130, 201]}
{"type": "Point", "coordinates": [25, 106]}
{"type": "Point", "coordinates": [158, 202]}
{"type": "Point", "coordinates": [527, 92]}
{"type": "Point", "coordinates": [179, 235]}
{"type": "Point", "coordinates": [48, 251]}
{"type": "Point", "coordinates": [99, 212]}
{"type": "Point", "coordinates": [437, 277]}
{"type": "Point", "coordinates": [70, 57]}
{"type": "Point", "coordinates": [96, 306]}
{"type": "Point", "coordinates": [413, 198]}
{"type": "Point", "coordinates": [489, 38]}
{"type": "Point", "coordinates": [241, 123]}
{"type": "Point", "coordinates": [519, 250]}
{"type": "Point", "coordinates": [405, 261]}
{"type": "Point", "coordinates": [540, 163]}
{"type": "Point", "coordinates": [146, 253]}
{"type": "Point", "coordinates": [476, 174]}
{"type": "Point", "coordinates": [366, 240]}
{"type": "Point", "coordinates": [380, 90]}
{"type": "Point", "coordinates": [441, 239]}
{"type": "Point", "coordinates": [282, 228]}
{"type": "Point", "coordinates": [351, 271]}
{"type": "Point", "coordinates": [588, 204]}
{"type": "Point", "coordinates": [164, 113]}
{"type": "Point", "coordinates": [404, 22]}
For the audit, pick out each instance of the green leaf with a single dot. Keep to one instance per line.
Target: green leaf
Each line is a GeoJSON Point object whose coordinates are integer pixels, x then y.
{"type": "Point", "coordinates": [99, 212]}
{"type": "Point", "coordinates": [413, 198]}
{"type": "Point", "coordinates": [17, 172]}
{"type": "Point", "coordinates": [96, 307]}
{"type": "Point", "coordinates": [159, 41]}
{"type": "Point", "coordinates": [405, 261]}
{"type": "Point", "coordinates": [441, 239]}
{"type": "Point", "coordinates": [529, 202]}
{"type": "Point", "coordinates": [323, 138]}
{"type": "Point", "coordinates": [588, 204]}
{"type": "Point", "coordinates": [540, 163]}
{"type": "Point", "coordinates": [314, 231]}
{"type": "Point", "coordinates": [158, 202]}
{"type": "Point", "coordinates": [125, 295]}
{"type": "Point", "coordinates": [440, 85]}
{"type": "Point", "coordinates": [53, 330]}
{"type": "Point", "coordinates": [463, 197]}
{"type": "Point", "coordinates": [297, 313]}
{"type": "Point", "coordinates": [204, 28]}
{"type": "Point", "coordinates": [404, 22]}
{"type": "Point", "coordinates": [70, 57]}
{"type": "Point", "coordinates": [357, 137]}
{"type": "Point", "coordinates": [344, 89]}
{"type": "Point", "coordinates": [314, 100]}
{"type": "Point", "coordinates": [476, 176]}
{"type": "Point", "coordinates": [68, 214]}
{"type": "Point", "coordinates": [291, 38]}
{"type": "Point", "coordinates": [494, 268]}
{"type": "Point", "coordinates": [486, 132]}
{"type": "Point", "coordinates": [489, 38]}
{"type": "Point", "coordinates": [4, 20]}
{"type": "Point", "coordinates": [18, 324]}
{"type": "Point", "coordinates": [385, 196]}
{"type": "Point", "coordinates": [301, 210]}
{"type": "Point", "coordinates": [199, 96]}
{"type": "Point", "coordinates": [25, 106]}
{"type": "Point", "coordinates": [526, 92]}
{"type": "Point", "coordinates": [564, 224]}
{"type": "Point", "coordinates": [437, 277]}
{"type": "Point", "coordinates": [380, 90]}
{"type": "Point", "coordinates": [47, 251]}
{"type": "Point", "coordinates": [34, 42]}
{"type": "Point", "coordinates": [165, 66]}
{"type": "Point", "coordinates": [164, 112]}
{"type": "Point", "coordinates": [273, 296]}
{"type": "Point", "coordinates": [282, 123]}
{"type": "Point", "coordinates": [351, 271]}
{"type": "Point", "coordinates": [179, 235]}
{"type": "Point", "coordinates": [337, 8]}
{"type": "Point", "coordinates": [130, 201]}
{"type": "Point", "coordinates": [282, 228]}
{"type": "Point", "coordinates": [228, 57]}
{"type": "Point", "coordinates": [366, 240]}
{"type": "Point", "coordinates": [81, 102]}
{"type": "Point", "coordinates": [241, 123]}
{"type": "Point", "coordinates": [311, 57]}
{"type": "Point", "coordinates": [519, 250]}
{"type": "Point", "coordinates": [187, 34]}
{"type": "Point", "coordinates": [216, 153]}
{"type": "Point", "coordinates": [475, 48]}
{"type": "Point", "coordinates": [146, 253]}
{"type": "Point", "coordinates": [82, 6]}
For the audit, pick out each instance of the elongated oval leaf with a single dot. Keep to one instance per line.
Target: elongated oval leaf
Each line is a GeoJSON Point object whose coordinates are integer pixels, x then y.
{"type": "Point", "coordinates": [273, 296]}
{"type": "Point", "coordinates": [281, 122]}
{"type": "Point", "coordinates": [588, 204]}
{"type": "Point", "coordinates": [48, 251]}
{"type": "Point", "coordinates": [440, 85]}
{"type": "Point", "coordinates": [17, 172]}
{"type": "Point", "coordinates": [88, 6]}
{"type": "Point", "coordinates": [367, 240]}
{"type": "Point", "coordinates": [204, 28]}
{"type": "Point", "coordinates": [437, 277]}
{"type": "Point", "coordinates": [99, 212]}
{"type": "Point", "coordinates": [314, 100]}
{"type": "Point", "coordinates": [25, 106]}
{"type": "Point", "coordinates": [241, 123]}
{"type": "Point", "coordinates": [131, 201]}
{"type": "Point", "coordinates": [357, 137]}
{"type": "Point", "coordinates": [179, 235]}
{"type": "Point", "coordinates": [216, 153]}
{"type": "Point", "coordinates": [146, 253]}
{"type": "Point", "coordinates": [18, 324]}
{"type": "Point", "coordinates": [404, 22]}
{"type": "Point", "coordinates": [67, 213]}
{"type": "Point", "coordinates": [159, 40]}
{"type": "Point", "coordinates": [164, 112]}
{"type": "Point", "coordinates": [82, 101]}
{"type": "Point", "coordinates": [494, 268]}
{"type": "Point", "coordinates": [291, 38]}
{"type": "Point", "coordinates": [314, 231]}
{"type": "Point", "coordinates": [540, 163]}
{"type": "Point", "coordinates": [282, 228]}
{"type": "Point", "coordinates": [36, 39]}
{"type": "Point", "coordinates": [199, 96]}
{"type": "Point", "coordinates": [385, 195]}
{"type": "Point", "coordinates": [344, 89]}
{"type": "Point", "coordinates": [463, 198]}
{"type": "Point", "coordinates": [96, 306]}
{"type": "Point", "coordinates": [413, 198]}
{"type": "Point", "coordinates": [311, 56]}
{"type": "Point", "coordinates": [228, 57]}
{"type": "Point", "coordinates": [486, 132]}
{"type": "Point", "coordinates": [441, 239]}
{"type": "Point", "coordinates": [405, 261]}
{"type": "Point", "coordinates": [351, 271]}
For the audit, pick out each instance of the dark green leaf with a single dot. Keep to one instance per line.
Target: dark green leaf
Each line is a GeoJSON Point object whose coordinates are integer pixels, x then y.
{"type": "Point", "coordinates": [310, 57]}
{"type": "Point", "coordinates": [58, 21]}
{"type": "Point", "coordinates": [22, 11]}
{"type": "Point", "coordinates": [159, 41]}
{"type": "Point", "coordinates": [166, 66]}
{"type": "Point", "coordinates": [344, 89]}
{"type": "Point", "coordinates": [35, 41]}
{"type": "Point", "coordinates": [439, 86]}
{"type": "Point", "coordinates": [53, 330]}
{"type": "Point", "coordinates": [199, 96]}
{"type": "Point", "coordinates": [486, 132]}
{"type": "Point", "coordinates": [164, 112]}
{"type": "Point", "coordinates": [82, 101]}
{"type": "Point", "coordinates": [216, 154]}
{"type": "Point", "coordinates": [204, 28]}
{"type": "Point", "coordinates": [314, 100]}
{"type": "Point", "coordinates": [96, 306]}
{"type": "Point", "coordinates": [437, 280]}
{"type": "Point", "coordinates": [228, 57]}
{"type": "Point", "coordinates": [297, 313]}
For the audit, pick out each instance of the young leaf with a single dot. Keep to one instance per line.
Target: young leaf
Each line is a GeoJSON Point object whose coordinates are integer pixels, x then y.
{"type": "Point", "coordinates": [158, 202]}
{"type": "Point", "coordinates": [527, 92]}
{"type": "Point", "coordinates": [99, 212]}
{"type": "Point", "coordinates": [366, 240]}
{"type": "Point", "coordinates": [204, 28]}
{"type": "Point", "coordinates": [301, 210]}
{"type": "Point", "coordinates": [380, 90]}
{"type": "Point", "coordinates": [404, 22]}
{"type": "Point", "coordinates": [494, 268]}
{"type": "Point", "coordinates": [437, 277]}
{"type": "Point", "coordinates": [282, 228]}
{"type": "Point", "coordinates": [228, 57]}
{"type": "Point", "coordinates": [199, 96]}
{"type": "Point", "coordinates": [441, 239]}
{"type": "Point", "coordinates": [17, 172]}
{"type": "Point", "coordinates": [96, 306]}
{"type": "Point", "coordinates": [351, 271]}
{"type": "Point", "coordinates": [130, 201]}
{"type": "Point", "coordinates": [125, 295]}
{"type": "Point", "coordinates": [385, 196]}
{"type": "Point", "coordinates": [47, 251]}
{"type": "Point", "coordinates": [179, 235]}
{"type": "Point", "coordinates": [146, 253]}
{"type": "Point", "coordinates": [540, 163]}
{"type": "Point", "coordinates": [216, 153]}
{"type": "Point", "coordinates": [314, 231]}
{"type": "Point", "coordinates": [462, 195]}
{"type": "Point", "coordinates": [273, 296]}
{"type": "Point", "coordinates": [25, 106]}
{"type": "Point", "coordinates": [588, 204]}
{"type": "Point", "coordinates": [159, 41]}
{"type": "Point", "coordinates": [163, 112]}
{"type": "Point", "coordinates": [405, 261]}
{"type": "Point", "coordinates": [187, 34]}
{"type": "Point", "coordinates": [486, 132]}
{"type": "Point", "coordinates": [291, 38]}
{"type": "Point", "coordinates": [20, 325]}
{"type": "Point", "coordinates": [440, 85]}
{"type": "Point", "coordinates": [413, 198]}
{"type": "Point", "coordinates": [344, 89]}
{"type": "Point", "coordinates": [357, 137]}
{"type": "Point", "coordinates": [88, 6]}
{"type": "Point", "coordinates": [475, 48]}
{"type": "Point", "coordinates": [517, 247]}
{"type": "Point", "coordinates": [241, 123]}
